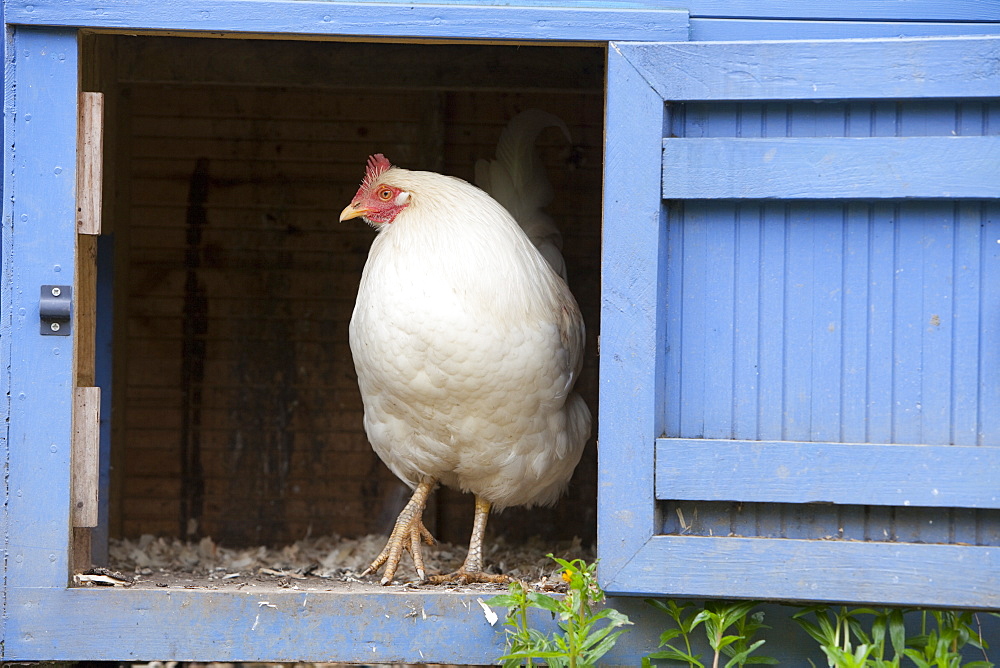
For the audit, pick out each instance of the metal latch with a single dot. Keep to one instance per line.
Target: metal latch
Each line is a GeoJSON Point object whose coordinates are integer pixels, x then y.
{"type": "Point", "coordinates": [55, 307]}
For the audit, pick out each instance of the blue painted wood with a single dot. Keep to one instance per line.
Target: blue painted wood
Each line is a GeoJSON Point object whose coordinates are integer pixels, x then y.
{"type": "Point", "coordinates": [371, 625]}
{"type": "Point", "coordinates": [891, 10]}
{"type": "Point", "coordinates": [730, 29]}
{"type": "Point", "coordinates": [40, 213]}
{"type": "Point", "coordinates": [412, 20]}
{"type": "Point", "coordinates": [920, 67]}
{"type": "Point", "coordinates": [291, 630]}
{"type": "Point", "coordinates": [831, 167]}
{"type": "Point", "coordinates": [632, 317]}
{"type": "Point", "coordinates": [846, 323]}
{"type": "Point", "coordinates": [961, 576]}
{"type": "Point", "coordinates": [816, 321]}
{"type": "Point", "coordinates": [800, 472]}
{"type": "Point", "coordinates": [44, 620]}
{"type": "Point", "coordinates": [5, 287]}
{"type": "Point", "coordinates": [910, 10]}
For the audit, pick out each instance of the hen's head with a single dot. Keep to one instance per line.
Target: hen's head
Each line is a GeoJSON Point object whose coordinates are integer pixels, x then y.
{"type": "Point", "coordinates": [376, 201]}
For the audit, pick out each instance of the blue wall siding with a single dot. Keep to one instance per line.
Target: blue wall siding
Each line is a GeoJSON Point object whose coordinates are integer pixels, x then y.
{"type": "Point", "coordinates": [834, 321]}
{"type": "Point", "coordinates": [846, 321]}
{"type": "Point", "coordinates": [841, 322]}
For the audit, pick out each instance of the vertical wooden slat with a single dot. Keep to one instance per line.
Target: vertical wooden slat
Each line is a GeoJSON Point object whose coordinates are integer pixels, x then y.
{"type": "Point", "coordinates": [771, 358]}
{"type": "Point", "coordinates": [632, 319]}
{"type": "Point", "coordinates": [86, 444]}
{"type": "Point", "coordinates": [86, 404]}
{"type": "Point", "coordinates": [747, 321]}
{"type": "Point", "coordinates": [89, 163]}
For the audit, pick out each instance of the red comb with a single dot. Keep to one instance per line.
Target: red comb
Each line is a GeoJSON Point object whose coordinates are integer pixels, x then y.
{"type": "Point", "coordinates": [377, 165]}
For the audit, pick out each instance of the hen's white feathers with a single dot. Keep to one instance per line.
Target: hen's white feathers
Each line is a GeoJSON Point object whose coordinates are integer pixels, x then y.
{"type": "Point", "coordinates": [467, 345]}
{"type": "Point", "coordinates": [518, 180]}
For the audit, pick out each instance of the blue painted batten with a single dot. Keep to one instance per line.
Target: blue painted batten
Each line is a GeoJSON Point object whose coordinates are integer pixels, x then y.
{"type": "Point", "coordinates": [858, 474]}
{"type": "Point", "coordinates": [831, 167]}
{"type": "Point", "coordinates": [887, 10]}
{"type": "Point", "coordinates": [730, 29]}
{"type": "Point", "coordinates": [370, 625]}
{"type": "Point", "coordinates": [41, 213]}
{"type": "Point", "coordinates": [377, 20]}
{"type": "Point", "coordinates": [758, 10]}
{"type": "Point", "coordinates": [633, 273]}
{"type": "Point", "coordinates": [5, 297]}
{"type": "Point", "coordinates": [962, 576]}
{"type": "Point", "coordinates": [920, 67]}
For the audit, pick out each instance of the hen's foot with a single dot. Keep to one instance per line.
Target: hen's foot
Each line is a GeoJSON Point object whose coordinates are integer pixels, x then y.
{"type": "Point", "coordinates": [462, 576]}
{"type": "Point", "coordinates": [407, 534]}
{"type": "Point", "coordinates": [472, 570]}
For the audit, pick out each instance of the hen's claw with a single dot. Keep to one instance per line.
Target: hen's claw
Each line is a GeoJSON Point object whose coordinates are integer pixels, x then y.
{"type": "Point", "coordinates": [472, 570]}
{"type": "Point", "coordinates": [406, 534]}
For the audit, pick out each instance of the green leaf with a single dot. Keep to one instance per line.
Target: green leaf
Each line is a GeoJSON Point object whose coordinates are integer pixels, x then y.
{"type": "Point", "coordinates": [917, 658]}
{"type": "Point", "coordinates": [725, 641]}
{"type": "Point", "coordinates": [740, 657]}
{"type": "Point", "coordinates": [669, 635]}
{"type": "Point", "coordinates": [815, 631]}
{"type": "Point", "coordinates": [544, 602]}
{"type": "Point", "coordinates": [674, 654]}
{"type": "Point", "coordinates": [604, 646]}
{"type": "Point", "coordinates": [897, 632]}
{"type": "Point", "coordinates": [503, 600]}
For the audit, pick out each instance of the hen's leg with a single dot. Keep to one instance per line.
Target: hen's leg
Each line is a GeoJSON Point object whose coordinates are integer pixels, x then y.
{"type": "Point", "coordinates": [406, 534]}
{"type": "Point", "coordinates": [472, 569]}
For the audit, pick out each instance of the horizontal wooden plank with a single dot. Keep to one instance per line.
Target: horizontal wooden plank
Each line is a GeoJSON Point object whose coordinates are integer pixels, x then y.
{"type": "Point", "coordinates": [831, 167]}
{"type": "Point", "coordinates": [918, 67]}
{"type": "Point", "coordinates": [907, 574]}
{"type": "Point", "coordinates": [363, 625]}
{"type": "Point", "coordinates": [727, 29]}
{"type": "Point", "coordinates": [856, 474]}
{"type": "Point", "coordinates": [893, 10]}
{"type": "Point", "coordinates": [491, 22]}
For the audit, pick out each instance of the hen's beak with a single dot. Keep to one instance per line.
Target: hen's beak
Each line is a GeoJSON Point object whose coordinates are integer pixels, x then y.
{"type": "Point", "coordinates": [353, 210]}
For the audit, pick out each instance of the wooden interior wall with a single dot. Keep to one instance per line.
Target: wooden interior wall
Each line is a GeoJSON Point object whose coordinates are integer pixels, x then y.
{"type": "Point", "coordinates": [238, 414]}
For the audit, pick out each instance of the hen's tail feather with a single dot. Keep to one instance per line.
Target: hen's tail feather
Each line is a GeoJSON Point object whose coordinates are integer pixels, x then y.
{"type": "Point", "coordinates": [518, 180]}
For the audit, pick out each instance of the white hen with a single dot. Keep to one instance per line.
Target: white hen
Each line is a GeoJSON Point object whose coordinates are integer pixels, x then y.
{"type": "Point", "coordinates": [467, 345]}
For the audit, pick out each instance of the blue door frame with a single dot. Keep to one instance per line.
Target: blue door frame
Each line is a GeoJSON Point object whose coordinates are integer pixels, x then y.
{"type": "Point", "coordinates": [45, 618]}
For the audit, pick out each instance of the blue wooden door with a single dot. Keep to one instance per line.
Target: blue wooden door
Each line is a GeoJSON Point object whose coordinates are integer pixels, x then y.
{"type": "Point", "coordinates": [801, 321]}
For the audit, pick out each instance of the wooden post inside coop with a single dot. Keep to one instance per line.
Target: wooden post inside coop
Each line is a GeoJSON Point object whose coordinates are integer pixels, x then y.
{"type": "Point", "coordinates": [87, 397]}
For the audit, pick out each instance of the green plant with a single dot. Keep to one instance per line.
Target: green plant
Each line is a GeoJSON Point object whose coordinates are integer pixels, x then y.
{"type": "Point", "coordinates": [686, 617]}
{"type": "Point", "coordinates": [718, 617]}
{"type": "Point", "coordinates": [941, 647]}
{"type": "Point", "coordinates": [847, 643]}
{"type": "Point", "coordinates": [587, 634]}
{"type": "Point", "coordinates": [746, 626]}
{"type": "Point", "coordinates": [843, 639]}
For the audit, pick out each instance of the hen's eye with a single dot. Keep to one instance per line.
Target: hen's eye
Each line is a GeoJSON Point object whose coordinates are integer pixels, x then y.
{"type": "Point", "coordinates": [385, 194]}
